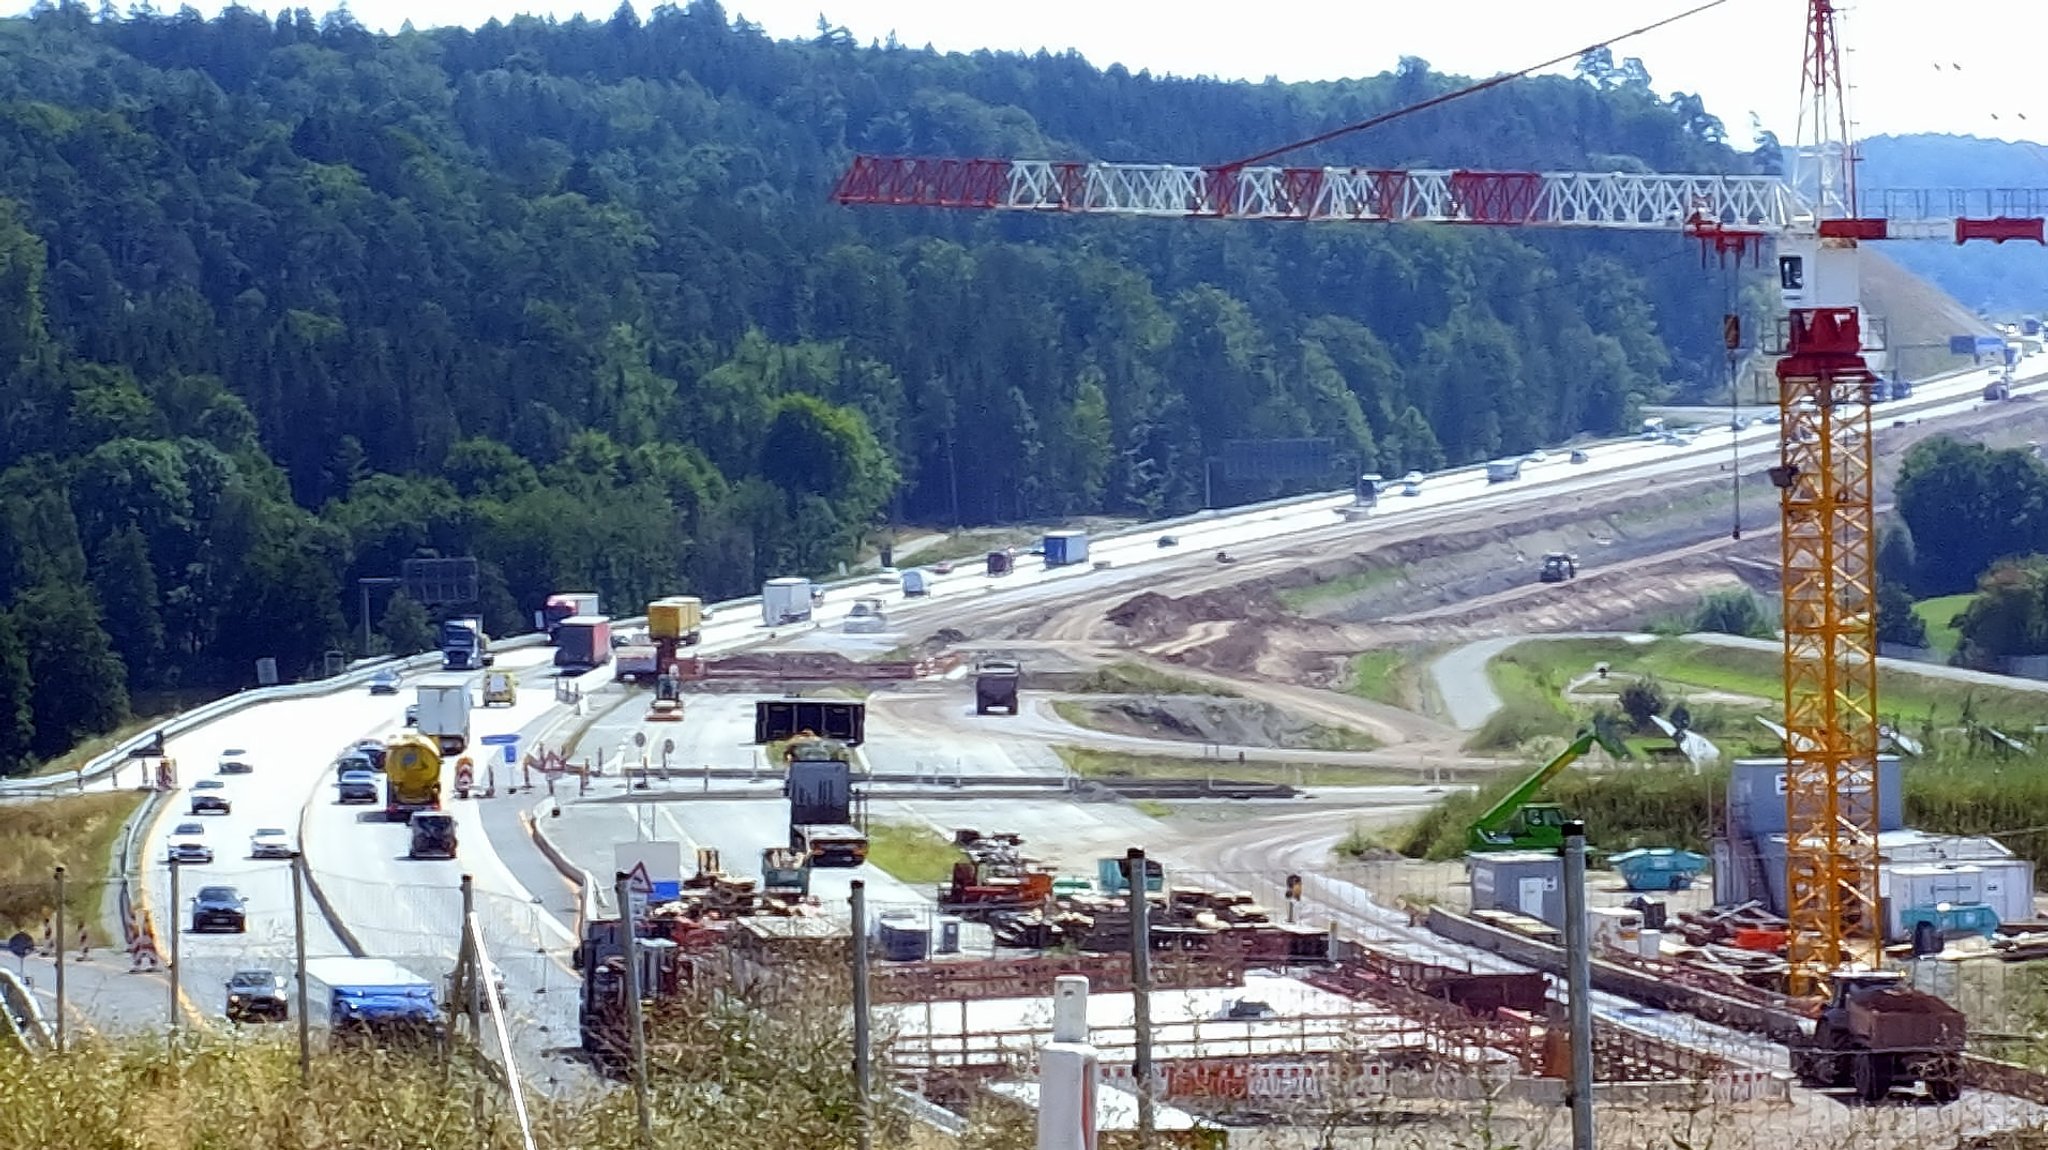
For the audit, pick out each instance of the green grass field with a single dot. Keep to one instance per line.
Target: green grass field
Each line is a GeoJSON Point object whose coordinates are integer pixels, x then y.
{"type": "Point", "coordinates": [913, 854]}
{"type": "Point", "coordinates": [1302, 599]}
{"type": "Point", "coordinates": [1679, 664]}
{"type": "Point", "coordinates": [1939, 615]}
{"type": "Point", "coordinates": [76, 831]}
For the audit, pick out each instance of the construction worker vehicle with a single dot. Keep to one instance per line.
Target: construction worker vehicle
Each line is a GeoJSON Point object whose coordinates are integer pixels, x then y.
{"type": "Point", "coordinates": [1876, 1032]}
{"type": "Point", "coordinates": [1559, 566]}
{"type": "Point", "coordinates": [995, 686]}
{"type": "Point", "coordinates": [667, 706]}
{"type": "Point", "coordinates": [412, 777]}
{"type": "Point", "coordinates": [501, 689]}
{"type": "Point", "coordinates": [1514, 823]}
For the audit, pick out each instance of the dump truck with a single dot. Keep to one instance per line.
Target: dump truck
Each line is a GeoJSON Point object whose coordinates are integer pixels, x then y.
{"type": "Point", "coordinates": [819, 784]}
{"type": "Point", "coordinates": [635, 663]}
{"type": "Point", "coordinates": [443, 711]}
{"type": "Point", "coordinates": [1559, 566]}
{"type": "Point", "coordinates": [464, 646]}
{"type": "Point", "coordinates": [845, 720]}
{"type": "Point", "coordinates": [501, 689]}
{"type": "Point", "coordinates": [995, 686]}
{"type": "Point", "coordinates": [1877, 1032]}
{"type": "Point", "coordinates": [412, 777]}
{"type": "Point", "coordinates": [565, 606]}
{"type": "Point", "coordinates": [583, 643]}
{"type": "Point", "coordinates": [1516, 824]}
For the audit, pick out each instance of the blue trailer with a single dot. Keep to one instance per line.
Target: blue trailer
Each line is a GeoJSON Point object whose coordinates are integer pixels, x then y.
{"type": "Point", "coordinates": [377, 1001]}
{"type": "Point", "coordinates": [1063, 548]}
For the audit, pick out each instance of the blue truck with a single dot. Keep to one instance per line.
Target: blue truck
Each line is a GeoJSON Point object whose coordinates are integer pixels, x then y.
{"type": "Point", "coordinates": [464, 646]}
{"type": "Point", "coordinates": [1063, 548]}
{"type": "Point", "coordinates": [376, 1001]}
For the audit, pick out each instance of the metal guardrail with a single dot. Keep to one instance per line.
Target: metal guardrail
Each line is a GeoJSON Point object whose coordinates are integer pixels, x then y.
{"type": "Point", "coordinates": [24, 1017]}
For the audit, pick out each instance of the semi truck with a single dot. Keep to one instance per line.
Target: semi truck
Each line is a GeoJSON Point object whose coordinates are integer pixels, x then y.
{"type": "Point", "coordinates": [442, 712]}
{"type": "Point", "coordinates": [1877, 1032]}
{"type": "Point", "coordinates": [1065, 548]}
{"type": "Point", "coordinates": [819, 784]}
{"type": "Point", "coordinates": [464, 646]}
{"type": "Point", "coordinates": [672, 623]}
{"type": "Point", "coordinates": [377, 1001]}
{"type": "Point", "coordinates": [412, 777]}
{"type": "Point", "coordinates": [995, 686]}
{"type": "Point", "coordinates": [845, 720]}
{"type": "Point", "coordinates": [785, 600]}
{"type": "Point", "coordinates": [583, 643]}
{"type": "Point", "coordinates": [566, 605]}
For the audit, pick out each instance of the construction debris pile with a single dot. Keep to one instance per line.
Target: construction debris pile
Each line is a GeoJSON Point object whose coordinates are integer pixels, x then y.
{"type": "Point", "coordinates": [1746, 942]}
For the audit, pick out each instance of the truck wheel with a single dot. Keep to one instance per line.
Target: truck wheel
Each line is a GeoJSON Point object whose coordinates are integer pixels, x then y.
{"type": "Point", "coordinates": [1873, 1074]}
{"type": "Point", "coordinates": [1926, 939]}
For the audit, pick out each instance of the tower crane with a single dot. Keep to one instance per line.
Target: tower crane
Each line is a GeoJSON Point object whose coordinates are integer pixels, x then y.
{"type": "Point", "coordinates": [1824, 475]}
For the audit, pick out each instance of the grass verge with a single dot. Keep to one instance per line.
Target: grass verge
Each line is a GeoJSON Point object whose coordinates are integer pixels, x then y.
{"type": "Point", "coordinates": [1910, 699]}
{"type": "Point", "coordinates": [1128, 678]}
{"type": "Point", "coordinates": [1090, 763]}
{"type": "Point", "coordinates": [1939, 615]}
{"type": "Point", "coordinates": [1532, 702]}
{"type": "Point", "coordinates": [1301, 600]}
{"type": "Point", "coordinates": [77, 832]}
{"type": "Point", "coordinates": [1384, 676]}
{"type": "Point", "coordinates": [912, 854]}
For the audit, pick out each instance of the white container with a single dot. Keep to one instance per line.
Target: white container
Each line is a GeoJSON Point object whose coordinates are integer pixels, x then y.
{"type": "Point", "coordinates": [785, 600]}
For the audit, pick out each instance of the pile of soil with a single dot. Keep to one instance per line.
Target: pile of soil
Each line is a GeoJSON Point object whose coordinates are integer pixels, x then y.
{"type": "Point", "coordinates": [1213, 719]}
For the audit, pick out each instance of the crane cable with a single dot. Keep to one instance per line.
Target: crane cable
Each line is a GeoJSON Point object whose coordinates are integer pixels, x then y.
{"type": "Point", "coordinates": [1468, 90]}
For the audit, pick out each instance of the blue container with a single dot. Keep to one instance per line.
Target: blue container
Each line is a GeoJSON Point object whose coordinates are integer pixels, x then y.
{"type": "Point", "coordinates": [1065, 547]}
{"type": "Point", "coordinates": [1659, 868]}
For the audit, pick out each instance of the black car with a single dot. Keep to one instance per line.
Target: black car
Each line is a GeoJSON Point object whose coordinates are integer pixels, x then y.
{"type": "Point", "coordinates": [258, 996]}
{"type": "Point", "coordinates": [209, 796]}
{"type": "Point", "coordinates": [371, 750]}
{"type": "Point", "coordinates": [433, 835]}
{"type": "Point", "coordinates": [219, 908]}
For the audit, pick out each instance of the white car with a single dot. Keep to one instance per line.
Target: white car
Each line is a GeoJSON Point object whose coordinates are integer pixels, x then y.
{"type": "Point", "coordinates": [188, 844]}
{"type": "Point", "coordinates": [271, 843]}
{"type": "Point", "coordinates": [1538, 456]}
{"type": "Point", "coordinates": [1411, 483]}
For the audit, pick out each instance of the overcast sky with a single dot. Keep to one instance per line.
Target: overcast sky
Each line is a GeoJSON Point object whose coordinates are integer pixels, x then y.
{"type": "Point", "coordinates": [1970, 70]}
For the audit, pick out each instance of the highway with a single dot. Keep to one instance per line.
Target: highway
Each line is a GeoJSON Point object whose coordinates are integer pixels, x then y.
{"type": "Point", "coordinates": [407, 909]}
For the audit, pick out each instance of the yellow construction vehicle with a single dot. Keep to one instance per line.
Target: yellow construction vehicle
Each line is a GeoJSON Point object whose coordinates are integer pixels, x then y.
{"type": "Point", "coordinates": [668, 698]}
{"type": "Point", "coordinates": [501, 688]}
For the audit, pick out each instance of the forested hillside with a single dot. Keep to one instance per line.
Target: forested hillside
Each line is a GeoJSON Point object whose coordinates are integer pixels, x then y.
{"type": "Point", "coordinates": [2003, 279]}
{"type": "Point", "coordinates": [284, 303]}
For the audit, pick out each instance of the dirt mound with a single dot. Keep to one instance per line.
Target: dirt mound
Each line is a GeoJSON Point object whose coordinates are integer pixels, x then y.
{"type": "Point", "coordinates": [1213, 719]}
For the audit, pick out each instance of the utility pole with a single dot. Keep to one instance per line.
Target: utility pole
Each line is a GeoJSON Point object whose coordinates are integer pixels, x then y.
{"type": "Point", "coordinates": [471, 962]}
{"type": "Point", "coordinates": [863, 1071]}
{"type": "Point", "coordinates": [1578, 986]}
{"type": "Point", "coordinates": [1141, 992]}
{"type": "Point", "coordinates": [60, 960]}
{"type": "Point", "coordinates": [177, 928]}
{"type": "Point", "coordinates": [299, 958]}
{"type": "Point", "coordinates": [629, 933]}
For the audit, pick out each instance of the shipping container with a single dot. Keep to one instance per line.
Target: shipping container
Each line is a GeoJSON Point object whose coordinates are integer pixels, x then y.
{"type": "Point", "coordinates": [1756, 796]}
{"type": "Point", "coordinates": [677, 617]}
{"type": "Point", "coordinates": [785, 601]}
{"type": "Point", "coordinates": [1064, 548]}
{"type": "Point", "coordinates": [1522, 882]}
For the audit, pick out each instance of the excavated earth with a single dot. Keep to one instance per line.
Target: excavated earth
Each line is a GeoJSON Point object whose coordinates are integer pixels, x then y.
{"type": "Point", "coordinates": [1209, 719]}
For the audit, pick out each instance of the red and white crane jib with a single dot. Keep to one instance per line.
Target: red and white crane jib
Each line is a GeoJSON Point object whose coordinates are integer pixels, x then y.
{"type": "Point", "coordinates": [1733, 211]}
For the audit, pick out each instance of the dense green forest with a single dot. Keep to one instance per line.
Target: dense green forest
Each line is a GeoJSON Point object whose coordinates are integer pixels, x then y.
{"type": "Point", "coordinates": [284, 303]}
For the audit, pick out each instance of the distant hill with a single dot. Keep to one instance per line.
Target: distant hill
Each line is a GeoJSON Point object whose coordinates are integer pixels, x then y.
{"type": "Point", "coordinates": [2006, 279]}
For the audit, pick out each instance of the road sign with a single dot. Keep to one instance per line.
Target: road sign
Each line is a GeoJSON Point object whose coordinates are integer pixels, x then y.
{"type": "Point", "coordinates": [639, 888]}
{"type": "Point", "coordinates": [511, 740]}
{"type": "Point", "coordinates": [21, 945]}
{"type": "Point", "coordinates": [511, 753]}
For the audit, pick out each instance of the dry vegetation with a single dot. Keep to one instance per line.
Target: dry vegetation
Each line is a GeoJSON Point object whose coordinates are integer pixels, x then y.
{"type": "Point", "coordinates": [77, 832]}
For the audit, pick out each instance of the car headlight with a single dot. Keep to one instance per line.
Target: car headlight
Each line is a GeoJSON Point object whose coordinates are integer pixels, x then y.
{"type": "Point", "coordinates": [234, 999]}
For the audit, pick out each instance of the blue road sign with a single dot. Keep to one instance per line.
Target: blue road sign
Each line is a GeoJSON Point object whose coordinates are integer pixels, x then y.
{"type": "Point", "coordinates": [499, 740]}
{"type": "Point", "coordinates": [511, 755]}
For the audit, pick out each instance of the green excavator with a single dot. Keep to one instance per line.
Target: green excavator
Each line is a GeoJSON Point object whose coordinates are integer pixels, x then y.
{"type": "Point", "coordinates": [1516, 824]}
